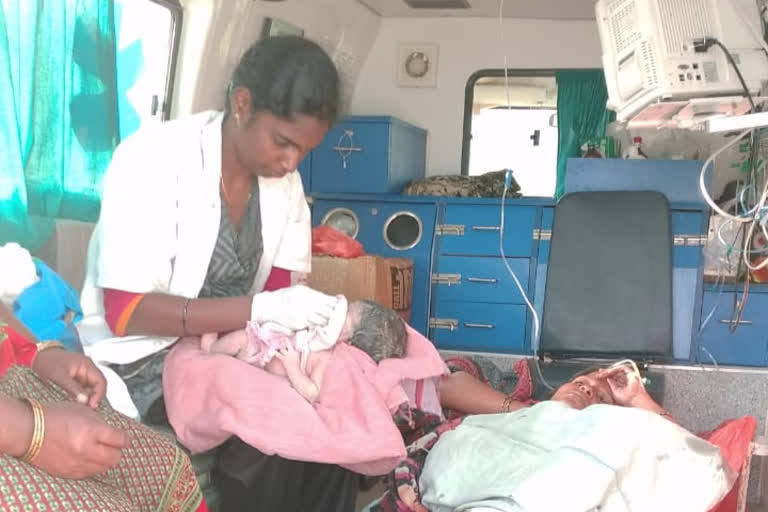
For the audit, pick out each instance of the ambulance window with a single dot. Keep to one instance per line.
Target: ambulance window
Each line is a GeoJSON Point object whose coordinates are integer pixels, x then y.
{"type": "Point", "coordinates": [512, 123]}
{"type": "Point", "coordinates": [148, 33]}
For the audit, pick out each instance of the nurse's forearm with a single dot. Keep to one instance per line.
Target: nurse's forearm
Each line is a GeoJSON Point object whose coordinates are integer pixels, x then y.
{"type": "Point", "coordinates": [163, 315]}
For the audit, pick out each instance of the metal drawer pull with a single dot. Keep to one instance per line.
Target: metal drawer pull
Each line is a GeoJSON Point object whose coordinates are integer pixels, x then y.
{"type": "Point", "coordinates": [739, 322]}
{"type": "Point", "coordinates": [345, 151]}
{"type": "Point", "coordinates": [479, 326]}
{"type": "Point", "coordinates": [483, 280]}
{"type": "Point", "coordinates": [486, 228]}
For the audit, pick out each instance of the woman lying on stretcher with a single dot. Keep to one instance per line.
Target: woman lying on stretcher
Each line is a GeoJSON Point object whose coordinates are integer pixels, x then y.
{"type": "Point", "coordinates": [618, 385]}
{"type": "Point", "coordinates": [497, 461]}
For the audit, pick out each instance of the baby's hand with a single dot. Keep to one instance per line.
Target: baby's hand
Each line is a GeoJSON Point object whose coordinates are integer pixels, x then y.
{"type": "Point", "coordinates": [290, 357]}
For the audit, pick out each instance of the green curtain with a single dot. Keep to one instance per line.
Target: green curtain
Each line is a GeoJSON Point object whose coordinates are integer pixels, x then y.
{"type": "Point", "coordinates": [59, 112]}
{"type": "Point", "coordinates": [581, 115]}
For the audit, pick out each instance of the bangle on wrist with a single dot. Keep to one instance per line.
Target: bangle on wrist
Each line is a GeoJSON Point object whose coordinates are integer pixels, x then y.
{"type": "Point", "coordinates": [48, 345]}
{"type": "Point", "coordinates": [38, 432]}
{"type": "Point", "coordinates": [506, 405]}
{"type": "Point", "coordinates": [184, 317]}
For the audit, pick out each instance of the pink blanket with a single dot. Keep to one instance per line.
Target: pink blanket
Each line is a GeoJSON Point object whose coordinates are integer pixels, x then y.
{"type": "Point", "coordinates": [211, 397]}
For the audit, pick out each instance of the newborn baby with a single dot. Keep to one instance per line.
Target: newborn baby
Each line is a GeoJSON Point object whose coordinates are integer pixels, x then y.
{"type": "Point", "coordinates": [303, 355]}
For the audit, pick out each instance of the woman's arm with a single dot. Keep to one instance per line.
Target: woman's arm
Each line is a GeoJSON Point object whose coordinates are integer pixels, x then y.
{"type": "Point", "coordinates": [16, 427]}
{"type": "Point", "coordinates": [462, 392]}
{"type": "Point", "coordinates": [163, 315]}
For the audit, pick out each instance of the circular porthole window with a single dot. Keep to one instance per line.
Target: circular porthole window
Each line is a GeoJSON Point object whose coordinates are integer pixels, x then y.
{"type": "Point", "coordinates": [344, 220]}
{"type": "Point", "coordinates": [403, 231]}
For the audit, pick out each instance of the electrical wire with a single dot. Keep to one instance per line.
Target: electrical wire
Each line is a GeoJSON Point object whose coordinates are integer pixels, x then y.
{"type": "Point", "coordinates": [534, 314]}
{"type": "Point", "coordinates": [507, 181]}
{"type": "Point", "coordinates": [735, 68]}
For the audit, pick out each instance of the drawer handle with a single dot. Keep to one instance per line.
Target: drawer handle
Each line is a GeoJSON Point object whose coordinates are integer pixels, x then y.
{"type": "Point", "coordinates": [735, 322]}
{"type": "Point", "coordinates": [483, 280]}
{"type": "Point", "coordinates": [479, 326]}
{"type": "Point", "coordinates": [345, 151]}
{"type": "Point", "coordinates": [486, 228]}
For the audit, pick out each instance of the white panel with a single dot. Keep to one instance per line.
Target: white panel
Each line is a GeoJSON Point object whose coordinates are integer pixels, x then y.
{"type": "Point", "coordinates": [466, 46]}
{"type": "Point", "coordinates": [217, 32]}
{"type": "Point", "coordinates": [539, 9]}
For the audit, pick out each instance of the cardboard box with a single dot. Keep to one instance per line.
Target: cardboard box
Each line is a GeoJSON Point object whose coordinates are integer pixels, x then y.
{"type": "Point", "coordinates": [388, 281]}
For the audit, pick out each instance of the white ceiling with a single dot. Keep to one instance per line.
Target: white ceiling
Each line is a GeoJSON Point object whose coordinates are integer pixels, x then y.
{"type": "Point", "coordinates": [536, 9]}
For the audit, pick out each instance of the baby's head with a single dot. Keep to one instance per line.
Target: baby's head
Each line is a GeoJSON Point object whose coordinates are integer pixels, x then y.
{"type": "Point", "coordinates": [375, 330]}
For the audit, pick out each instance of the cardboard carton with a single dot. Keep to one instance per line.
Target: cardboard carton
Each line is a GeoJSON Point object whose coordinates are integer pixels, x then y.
{"type": "Point", "coordinates": [388, 281]}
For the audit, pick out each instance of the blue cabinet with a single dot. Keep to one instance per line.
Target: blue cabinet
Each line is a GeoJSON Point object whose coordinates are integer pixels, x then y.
{"type": "Point", "coordinates": [305, 171]}
{"type": "Point", "coordinates": [389, 226]}
{"type": "Point", "coordinates": [478, 327]}
{"type": "Point", "coordinates": [368, 155]}
{"type": "Point", "coordinates": [748, 344]}
{"type": "Point", "coordinates": [476, 304]}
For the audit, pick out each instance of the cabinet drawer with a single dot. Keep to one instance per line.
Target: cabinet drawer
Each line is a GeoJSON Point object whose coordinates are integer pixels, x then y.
{"type": "Point", "coordinates": [369, 155]}
{"type": "Point", "coordinates": [475, 230]}
{"type": "Point", "coordinates": [480, 279]}
{"type": "Point", "coordinates": [748, 346]}
{"type": "Point", "coordinates": [480, 327]}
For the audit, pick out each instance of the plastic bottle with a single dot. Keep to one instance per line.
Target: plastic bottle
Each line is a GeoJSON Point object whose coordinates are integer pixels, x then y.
{"type": "Point", "coordinates": [635, 151]}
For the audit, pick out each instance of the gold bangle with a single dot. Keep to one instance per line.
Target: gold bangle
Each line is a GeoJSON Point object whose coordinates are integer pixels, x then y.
{"type": "Point", "coordinates": [49, 344]}
{"type": "Point", "coordinates": [184, 317]}
{"type": "Point", "coordinates": [506, 405]}
{"type": "Point", "coordinates": [38, 434]}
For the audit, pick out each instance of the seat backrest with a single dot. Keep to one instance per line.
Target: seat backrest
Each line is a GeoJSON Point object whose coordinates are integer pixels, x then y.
{"type": "Point", "coordinates": [609, 281]}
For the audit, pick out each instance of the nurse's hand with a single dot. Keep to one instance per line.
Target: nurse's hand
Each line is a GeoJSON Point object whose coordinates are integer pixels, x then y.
{"type": "Point", "coordinates": [297, 307]}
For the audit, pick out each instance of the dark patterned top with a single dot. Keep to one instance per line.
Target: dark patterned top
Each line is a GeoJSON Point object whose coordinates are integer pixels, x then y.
{"type": "Point", "coordinates": [237, 254]}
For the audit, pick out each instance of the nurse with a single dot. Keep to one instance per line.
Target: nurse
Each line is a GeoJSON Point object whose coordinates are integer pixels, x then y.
{"type": "Point", "coordinates": [199, 218]}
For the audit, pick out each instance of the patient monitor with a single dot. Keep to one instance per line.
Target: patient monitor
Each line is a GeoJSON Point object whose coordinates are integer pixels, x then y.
{"type": "Point", "coordinates": [650, 55]}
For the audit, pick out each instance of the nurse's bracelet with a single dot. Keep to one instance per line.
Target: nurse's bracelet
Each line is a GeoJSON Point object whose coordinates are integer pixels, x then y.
{"type": "Point", "coordinates": [184, 317]}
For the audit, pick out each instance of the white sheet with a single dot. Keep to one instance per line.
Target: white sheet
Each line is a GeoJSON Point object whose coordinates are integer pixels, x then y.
{"type": "Point", "coordinates": [553, 458]}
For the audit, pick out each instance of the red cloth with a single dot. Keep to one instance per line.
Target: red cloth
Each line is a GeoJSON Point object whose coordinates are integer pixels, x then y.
{"type": "Point", "coordinates": [331, 242]}
{"type": "Point", "coordinates": [278, 278]}
{"type": "Point", "coordinates": [15, 349]}
{"type": "Point", "coordinates": [734, 438]}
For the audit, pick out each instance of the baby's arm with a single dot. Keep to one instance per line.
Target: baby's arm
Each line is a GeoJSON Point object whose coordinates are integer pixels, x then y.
{"type": "Point", "coordinates": [300, 381]}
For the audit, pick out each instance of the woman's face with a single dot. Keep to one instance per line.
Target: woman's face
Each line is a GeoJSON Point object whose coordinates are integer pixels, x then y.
{"type": "Point", "coordinates": [584, 391]}
{"type": "Point", "coordinates": [270, 146]}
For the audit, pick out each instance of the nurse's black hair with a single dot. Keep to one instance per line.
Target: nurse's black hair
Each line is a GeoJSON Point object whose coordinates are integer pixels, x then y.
{"type": "Point", "coordinates": [288, 76]}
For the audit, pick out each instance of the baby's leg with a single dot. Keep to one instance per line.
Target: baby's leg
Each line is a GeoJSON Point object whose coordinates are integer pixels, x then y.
{"type": "Point", "coordinates": [301, 382]}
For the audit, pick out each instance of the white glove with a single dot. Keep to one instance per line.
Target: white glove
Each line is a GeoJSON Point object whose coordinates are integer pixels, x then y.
{"type": "Point", "coordinates": [297, 307]}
